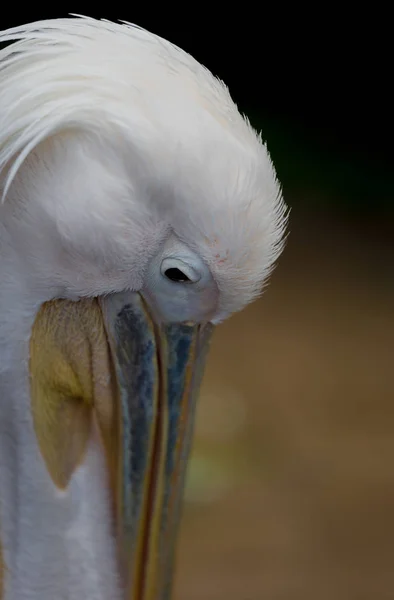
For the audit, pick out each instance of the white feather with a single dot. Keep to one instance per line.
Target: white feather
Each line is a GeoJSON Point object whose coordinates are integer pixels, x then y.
{"type": "Point", "coordinates": [111, 138]}
{"type": "Point", "coordinates": [166, 119]}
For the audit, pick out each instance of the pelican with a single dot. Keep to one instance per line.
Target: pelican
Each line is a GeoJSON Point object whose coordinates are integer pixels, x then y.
{"type": "Point", "coordinates": [138, 210]}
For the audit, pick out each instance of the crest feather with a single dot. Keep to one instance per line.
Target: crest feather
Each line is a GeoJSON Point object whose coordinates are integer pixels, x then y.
{"type": "Point", "coordinates": [69, 72]}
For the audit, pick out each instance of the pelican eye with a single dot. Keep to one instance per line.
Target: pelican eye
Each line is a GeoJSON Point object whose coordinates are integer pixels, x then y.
{"type": "Point", "coordinates": [176, 269]}
{"type": "Point", "coordinates": [176, 275]}
{"type": "Point", "coordinates": [179, 286]}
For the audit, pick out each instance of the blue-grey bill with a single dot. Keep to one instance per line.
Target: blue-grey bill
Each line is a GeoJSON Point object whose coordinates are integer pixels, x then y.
{"type": "Point", "coordinates": [158, 368]}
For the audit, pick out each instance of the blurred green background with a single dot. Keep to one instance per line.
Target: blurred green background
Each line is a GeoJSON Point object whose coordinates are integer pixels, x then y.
{"type": "Point", "coordinates": [290, 492]}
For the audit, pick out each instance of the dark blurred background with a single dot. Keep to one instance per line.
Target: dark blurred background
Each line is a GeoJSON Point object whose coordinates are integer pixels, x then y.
{"type": "Point", "coordinates": [291, 486]}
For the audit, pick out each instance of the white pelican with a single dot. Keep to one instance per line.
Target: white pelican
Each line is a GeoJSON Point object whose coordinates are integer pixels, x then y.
{"type": "Point", "coordinates": [139, 209]}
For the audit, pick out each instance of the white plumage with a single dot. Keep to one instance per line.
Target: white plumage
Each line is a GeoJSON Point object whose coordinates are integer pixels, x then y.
{"type": "Point", "coordinates": [112, 140]}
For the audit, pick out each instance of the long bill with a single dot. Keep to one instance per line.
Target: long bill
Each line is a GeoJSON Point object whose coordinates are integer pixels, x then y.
{"type": "Point", "coordinates": [105, 364]}
{"type": "Point", "coordinates": [158, 371]}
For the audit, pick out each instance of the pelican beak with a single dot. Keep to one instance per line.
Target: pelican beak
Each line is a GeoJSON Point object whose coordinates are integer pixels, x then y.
{"type": "Point", "coordinates": [103, 366]}
{"type": "Point", "coordinates": [158, 370]}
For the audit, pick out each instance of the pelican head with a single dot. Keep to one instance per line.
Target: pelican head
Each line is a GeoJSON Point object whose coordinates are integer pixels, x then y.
{"type": "Point", "coordinates": [138, 210]}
